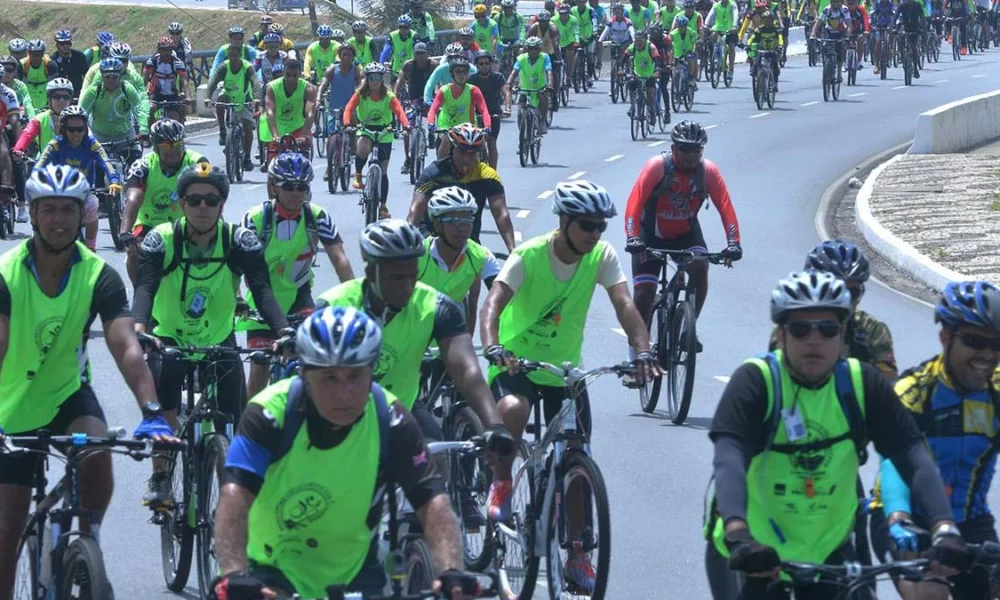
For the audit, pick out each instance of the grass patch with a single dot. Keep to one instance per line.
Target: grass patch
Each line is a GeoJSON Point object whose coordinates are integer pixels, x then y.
{"type": "Point", "coordinates": [995, 205]}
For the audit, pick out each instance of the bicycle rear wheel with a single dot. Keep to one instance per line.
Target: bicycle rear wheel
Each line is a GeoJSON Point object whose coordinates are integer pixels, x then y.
{"type": "Point", "coordinates": [213, 461]}
{"type": "Point", "coordinates": [580, 476]}
{"type": "Point", "coordinates": [238, 151]}
{"type": "Point", "coordinates": [514, 551]}
{"type": "Point", "coordinates": [649, 394]}
{"type": "Point", "coordinates": [419, 566]}
{"type": "Point", "coordinates": [614, 86]}
{"type": "Point", "coordinates": [683, 354]}
{"type": "Point", "coordinates": [714, 69]}
{"type": "Point", "coordinates": [28, 566]}
{"type": "Point", "coordinates": [523, 138]}
{"type": "Point", "coordinates": [84, 577]}
{"type": "Point", "coordinates": [176, 534]}
{"type": "Point", "coordinates": [116, 205]}
{"type": "Point", "coordinates": [418, 154]}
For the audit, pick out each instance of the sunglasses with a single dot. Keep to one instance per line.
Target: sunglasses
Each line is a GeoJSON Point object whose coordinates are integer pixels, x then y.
{"type": "Point", "coordinates": [592, 226]}
{"type": "Point", "coordinates": [978, 342]}
{"type": "Point", "coordinates": [64, 43]}
{"type": "Point", "coordinates": [167, 146]}
{"type": "Point", "coordinates": [801, 329]}
{"type": "Point", "coordinates": [75, 129]}
{"type": "Point", "coordinates": [195, 200]}
{"type": "Point", "coordinates": [485, 64]}
{"type": "Point", "coordinates": [111, 75]}
{"type": "Point", "coordinates": [291, 186]}
{"type": "Point", "coordinates": [689, 148]}
{"type": "Point", "coordinates": [61, 97]}
{"type": "Point", "coordinates": [458, 220]}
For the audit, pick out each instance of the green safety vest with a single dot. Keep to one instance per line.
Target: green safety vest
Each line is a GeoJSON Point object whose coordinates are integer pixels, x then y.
{"type": "Point", "coordinates": [457, 282]}
{"type": "Point", "coordinates": [37, 78]}
{"type": "Point", "coordinates": [531, 76]}
{"type": "Point", "coordinates": [544, 320]}
{"type": "Point", "coordinates": [723, 17]}
{"type": "Point", "coordinates": [159, 200]}
{"type": "Point", "coordinates": [321, 58]}
{"type": "Point", "coordinates": [638, 17]}
{"type": "Point", "coordinates": [683, 45]}
{"type": "Point", "coordinates": [642, 61]}
{"type": "Point", "coordinates": [47, 361]}
{"type": "Point", "coordinates": [377, 113]}
{"type": "Point", "coordinates": [362, 50]}
{"type": "Point", "coordinates": [569, 32]}
{"type": "Point", "coordinates": [236, 86]}
{"type": "Point", "coordinates": [667, 16]}
{"type": "Point", "coordinates": [289, 111]}
{"type": "Point", "coordinates": [511, 27]}
{"type": "Point", "coordinates": [801, 495]}
{"type": "Point", "coordinates": [402, 50]}
{"type": "Point", "coordinates": [586, 20]}
{"type": "Point", "coordinates": [46, 130]}
{"type": "Point", "coordinates": [454, 111]}
{"type": "Point", "coordinates": [309, 519]}
{"type": "Point", "coordinates": [404, 338]}
{"type": "Point", "coordinates": [483, 34]}
{"type": "Point", "coordinates": [195, 303]}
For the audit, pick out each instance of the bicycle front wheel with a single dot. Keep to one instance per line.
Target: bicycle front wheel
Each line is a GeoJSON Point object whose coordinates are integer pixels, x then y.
{"type": "Point", "coordinates": [115, 208]}
{"type": "Point", "coordinates": [372, 193]}
{"type": "Point", "coordinates": [635, 115]}
{"type": "Point", "coordinates": [578, 527]}
{"type": "Point", "coordinates": [514, 549]}
{"type": "Point", "coordinates": [683, 354]}
{"type": "Point", "coordinates": [213, 461]}
{"type": "Point", "coordinates": [649, 394]}
{"type": "Point", "coordinates": [28, 566]}
{"type": "Point", "coordinates": [176, 533]}
{"type": "Point", "coordinates": [470, 478]}
{"type": "Point", "coordinates": [419, 567]}
{"type": "Point", "coordinates": [84, 577]}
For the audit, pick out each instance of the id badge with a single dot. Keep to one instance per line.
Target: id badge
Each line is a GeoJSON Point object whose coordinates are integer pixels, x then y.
{"type": "Point", "coordinates": [794, 428]}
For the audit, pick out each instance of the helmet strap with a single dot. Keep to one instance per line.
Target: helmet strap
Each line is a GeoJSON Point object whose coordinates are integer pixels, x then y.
{"type": "Point", "coordinates": [376, 288]}
{"type": "Point", "coordinates": [49, 248]}
{"type": "Point", "coordinates": [569, 242]}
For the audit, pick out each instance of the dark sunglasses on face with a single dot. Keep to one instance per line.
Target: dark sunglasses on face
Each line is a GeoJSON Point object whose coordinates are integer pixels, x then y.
{"type": "Point", "coordinates": [111, 75]}
{"type": "Point", "coordinates": [592, 226]}
{"type": "Point", "coordinates": [979, 342]}
{"type": "Point", "coordinates": [689, 148]}
{"type": "Point", "coordinates": [458, 220]}
{"type": "Point", "coordinates": [484, 64]}
{"type": "Point", "coordinates": [801, 329]}
{"type": "Point", "coordinates": [292, 186]}
{"type": "Point", "coordinates": [64, 43]}
{"type": "Point", "coordinates": [61, 97]}
{"type": "Point", "coordinates": [81, 129]}
{"type": "Point", "coordinates": [195, 200]}
{"type": "Point", "coordinates": [375, 77]}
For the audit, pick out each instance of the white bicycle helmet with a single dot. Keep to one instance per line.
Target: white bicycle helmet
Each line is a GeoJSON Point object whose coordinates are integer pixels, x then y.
{"type": "Point", "coordinates": [582, 199]}
{"type": "Point", "coordinates": [56, 181]}
{"type": "Point", "coordinates": [450, 199]}
{"type": "Point", "coordinates": [59, 84]}
{"type": "Point", "coordinates": [391, 239]}
{"type": "Point", "coordinates": [338, 336]}
{"type": "Point", "coordinates": [809, 290]}
{"type": "Point", "coordinates": [374, 68]}
{"type": "Point", "coordinates": [533, 42]}
{"type": "Point", "coordinates": [18, 45]}
{"type": "Point", "coordinates": [454, 49]}
{"type": "Point", "coordinates": [74, 111]}
{"type": "Point", "coordinates": [338, 34]}
{"type": "Point", "coordinates": [36, 45]}
{"type": "Point", "coordinates": [121, 51]}
{"type": "Point", "coordinates": [359, 26]}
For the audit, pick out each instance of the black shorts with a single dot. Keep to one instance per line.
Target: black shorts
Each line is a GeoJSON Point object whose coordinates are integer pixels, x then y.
{"type": "Point", "coordinates": [171, 374]}
{"type": "Point", "coordinates": [648, 270]}
{"type": "Point", "coordinates": [552, 398]}
{"type": "Point", "coordinates": [20, 469]}
{"type": "Point", "coordinates": [303, 304]}
{"type": "Point", "coordinates": [428, 424]}
{"type": "Point", "coordinates": [495, 121]}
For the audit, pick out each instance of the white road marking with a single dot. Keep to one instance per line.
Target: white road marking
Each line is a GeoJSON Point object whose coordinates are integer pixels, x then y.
{"type": "Point", "coordinates": [619, 331]}
{"type": "Point", "coordinates": [810, 103]}
{"type": "Point", "coordinates": [523, 213]}
{"type": "Point", "coordinates": [614, 158]}
{"type": "Point", "coordinates": [900, 87]}
{"type": "Point", "coordinates": [517, 237]}
{"type": "Point", "coordinates": [577, 175]}
{"type": "Point", "coordinates": [710, 127]}
{"type": "Point", "coordinates": [722, 378]}
{"type": "Point", "coordinates": [856, 95]}
{"type": "Point", "coordinates": [941, 81]}
{"type": "Point", "coordinates": [655, 144]}
{"type": "Point", "coordinates": [979, 76]}
{"type": "Point", "coordinates": [544, 194]}
{"type": "Point", "coordinates": [759, 115]}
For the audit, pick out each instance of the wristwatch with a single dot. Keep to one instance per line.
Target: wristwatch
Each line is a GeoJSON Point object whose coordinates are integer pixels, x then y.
{"type": "Point", "coordinates": [945, 530]}
{"type": "Point", "coordinates": [151, 410]}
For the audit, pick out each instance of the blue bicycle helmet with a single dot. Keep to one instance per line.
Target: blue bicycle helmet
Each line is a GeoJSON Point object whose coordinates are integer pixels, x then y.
{"type": "Point", "coordinates": [64, 35]}
{"type": "Point", "coordinates": [111, 65]}
{"type": "Point", "coordinates": [404, 20]}
{"type": "Point", "coordinates": [840, 257]}
{"type": "Point", "coordinates": [324, 31]}
{"type": "Point", "coordinates": [105, 38]}
{"type": "Point", "coordinates": [290, 167]}
{"type": "Point", "coordinates": [272, 38]}
{"type": "Point", "coordinates": [971, 303]}
{"type": "Point", "coordinates": [338, 336]}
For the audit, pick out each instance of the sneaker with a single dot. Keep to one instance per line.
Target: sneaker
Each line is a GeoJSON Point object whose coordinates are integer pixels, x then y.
{"type": "Point", "coordinates": [405, 169]}
{"type": "Point", "coordinates": [357, 181]}
{"type": "Point", "coordinates": [22, 214]}
{"type": "Point", "coordinates": [916, 74]}
{"type": "Point", "coordinates": [498, 504]}
{"type": "Point", "coordinates": [580, 573]}
{"type": "Point", "coordinates": [247, 163]}
{"type": "Point", "coordinates": [383, 212]}
{"type": "Point", "coordinates": [472, 514]}
{"type": "Point", "coordinates": [326, 176]}
{"type": "Point", "coordinates": [543, 128]}
{"type": "Point", "coordinates": [697, 345]}
{"type": "Point", "coordinates": [158, 492]}
{"type": "Point", "coordinates": [629, 113]}
{"type": "Point", "coordinates": [875, 70]}
{"type": "Point", "coordinates": [222, 137]}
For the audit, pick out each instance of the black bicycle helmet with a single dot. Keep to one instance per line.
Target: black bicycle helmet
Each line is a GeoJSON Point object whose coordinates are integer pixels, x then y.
{"type": "Point", "coordinates": [203, 173]}
{"type": "Point", "coordinates": [165, 131]}
{"type": "Point", "coordinates": [689, 132]}
{"type": "Point", "coordinates": [840, 257]}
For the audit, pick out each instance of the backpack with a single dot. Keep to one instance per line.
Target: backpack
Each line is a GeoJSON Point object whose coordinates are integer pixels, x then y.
{"type": "Point", "coordinates": [312, 231]}
{"type": "Point", "coordinates": [176, 260]}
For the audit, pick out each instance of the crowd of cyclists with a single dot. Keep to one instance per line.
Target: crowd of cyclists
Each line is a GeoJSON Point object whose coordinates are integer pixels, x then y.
{"type": "Point", "coordinates": [791, 428]}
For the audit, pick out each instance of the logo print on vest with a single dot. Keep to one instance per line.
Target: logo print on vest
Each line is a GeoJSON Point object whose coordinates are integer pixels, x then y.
{"type": "Point", "coordinates": [198, 303]}
{"type": "Point", "coordinates": [164, 200]}
{"type": "Point", "coordinates": [809, 462]}
{"type": "Point", "coordinates": [386, 361]}
{"type": "Point", "coordinates": [303, 505]}
{"type": "Point", "coordinates": [47, 332]}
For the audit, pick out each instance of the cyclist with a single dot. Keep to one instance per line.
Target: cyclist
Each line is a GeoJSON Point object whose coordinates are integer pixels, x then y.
{"type": "Point", "coordinates": [290, 104]}
{"type": "Point", "coordinates": [264, 28]}
{"type": "Point", "coordinates": [364, 44]}
{"type": "Point", "coordinates": [644, 57]}
{"type": "Point", "coordinates": [683, 40]}
{"type": "Point", "coordinates": [585, 16]}
{"type": "Point", "coordinates": [662, 213]}
{"type": "Point", "coordinates": [240, 85]}
{"type": "Point", "coordinates": [249, 51]}
{"type": "Point", "coordinates": [399, 46]}
{"type": "Point", "coordinates": [167, 79]}
{"type": "Point", "coordinates": [485, 32]}
{"type": "Point", "coordinates": [511, 26]}
{"type": "Point", "coordinates": [695, 16]}
{"type": "Point", "coordinates": [753, 19]}
{"type": "Point", "coordinates": [537, 310]}
{"type": "Point", "coordinates": [373, 106]}
{"type": "Point", "coordinates": [268, 61]}
{"type": "Point", "coordinates": [123, 52]}
{"type": "Point", "coordinates": [38, 71]}
{"type": "Point", "coordinates": [883, 14]}
{"type": "Point", "coordinates": [533, 69]}
{"type": "Point", "coordinates": [766, 36]}
{"type": "Point", "coordinates": [494, 91]}
{"type": "Point", "coordinates": [356, 432]}
{"type": "Point", "coordinates": [96, 53]}
{"type": "Point", "coordinates": [620, 31]}
{"type": "Point", "coordinates": [860, 27]}
{"type": "Point", "coordinates": [18, 48]}
{"type": "Point", "coordinates": [640, 16]}
{"type": "Point", "coordinates": [453, 264]}
{"type": "Point", "coordinates": [320, 54]}
{"type": "Point", "coordinates": [414, 74]}
{"type": "Point", "coordinates": [113, 103]}
{"type": "Point", "coordinates": [442, 74]}
{"type": "Point", "coordinates": [753, 523]}
{"type": "Point", "coordinates": [43, 127]}
{"type": "Point", "coordinates": [285, 45]}
{"type": "Point", "coordinates": [910, 23]}
{"type": "Point", "coordinates": [456, 101]}
{"type": "Point", "coordinates": [464, 169]}
{"type": "Point", "coordinates": [545, 31]}
{"type": "Point", "coordinates": [833, 21]}
{"type": "Point", "coordinates": [291, 230]}
{"type": "Point", "coordinates": [51, 290]}
{"type": "Point", "coordinates": [665, 47]}
{"type": "Point", "coordinates": [182, 46]}
{"type": "Point", "coordinates": [150, 187]}
{"type": "Point", "coordinates": [721, 20]}
{"type": "Point", "coordinates": [423, 23]}
{"type": "Point", "coordinates": [185, 292]}
{"type": "Point", "coordinates": [70, 64]}
{"type": "Point", "coordinates": [569, 38]}
{"type": "Point", "coordinates": [600, 15]}
{"type": "Point", "coordinates": [10, 115]}
{"type": "Point", "coordinates": [74, 147]}
{"type": "Point", "coordinates": [466, 38]}
{"type": "Point", "coordinates": [17, 86]}
{"type": "Point", "coordinates": [962, 379]}
{"type": "Point", "coordinates": [339, 83]}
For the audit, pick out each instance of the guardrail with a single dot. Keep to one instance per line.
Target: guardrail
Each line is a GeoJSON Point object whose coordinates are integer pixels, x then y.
{"type": "Point", "coordinates": [202, 59]}
{"type": "Point", "coordinates": [958, 126]}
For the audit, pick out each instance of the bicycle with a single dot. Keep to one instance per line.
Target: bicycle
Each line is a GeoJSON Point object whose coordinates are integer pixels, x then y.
{"type": "Point", "coordinates": [564, 84]}
{"type": "Point", "coordinates": [831, 77]}
{"type": "Point", "coordinates": [853, 577]}
{"type": "Point", "coordinates": [511, 50]}
{"type": "Point", "coordinates": [720, 63]}
{"type": "Point", "coordinates": [529, 140]}
{"type": "Point", "coordinates": [933, 44]}
{"type": "Point", "coordinates": [49, 563]}
{"type": "Point", "coordinates": [549, 467]}
{"type": "Point", "coordinates": [8, 211]}
{"type": "Point", "coordinates": [169, 109]}
{"type": "Point", "coordinates": [371, 192]}
{"type": "Point", "coordinates": [673, 322]}
{"type": "Point", "coordinates": [905, 49]}
{"type": "Point", "coordinates": [581, 80]}
{"type": "Point", "coordinates": [113, 206]}
{"type": "Point", "coordinates": [320, 129]}
{"type": "Point", "coordinates": [956, 37]}
{"type": "Point", "coordinates": [703, 49]}
{"type": "Point", "coordinates": [637, 112]}
{"type": "Point", "coordinates": [418, 144]}
{"type": "Point", "coordinates": [196, 472]}
{"type": "Point", "coordinates": [764, 86]}
{"type": "Point", "coordinates": [395, 566]}
{"type": "Point", "coordinates": [681, 91]}
{"type": "Point", "coordinates": [234, 150]}
{"type": "Point", "coordinates": [811, 49]}
{"type": "Point", "coordinates": [617, 72]}
{"type": "Point", "coordinates": [340, 157]}
{"type": "Point", "coordinates": [851, 60]}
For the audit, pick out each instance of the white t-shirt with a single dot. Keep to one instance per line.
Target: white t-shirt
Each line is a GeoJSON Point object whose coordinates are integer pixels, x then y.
{"type": "Point", "coordinates": [609, 272]}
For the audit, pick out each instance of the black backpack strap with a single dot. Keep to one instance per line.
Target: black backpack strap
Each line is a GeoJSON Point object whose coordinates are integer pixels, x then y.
{"type": "Point", "coordinates": [175, 260]}
{"type": "Point", "coordinates": [267, 222]}
{"type": "Point", "coordinates": [312, 229]}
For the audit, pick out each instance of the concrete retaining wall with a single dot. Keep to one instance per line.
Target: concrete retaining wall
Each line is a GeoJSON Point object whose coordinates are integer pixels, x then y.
{"type": "Point", "coordinates": [958, 126]}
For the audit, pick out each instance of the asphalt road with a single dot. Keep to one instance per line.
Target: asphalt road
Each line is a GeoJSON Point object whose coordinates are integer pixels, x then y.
{"type": "Point", "coordinates": [777, 165]}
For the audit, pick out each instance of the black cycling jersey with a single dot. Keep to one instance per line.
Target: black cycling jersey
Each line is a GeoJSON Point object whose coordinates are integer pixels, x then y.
{"type": "Point", "coordinates": [490, 86]}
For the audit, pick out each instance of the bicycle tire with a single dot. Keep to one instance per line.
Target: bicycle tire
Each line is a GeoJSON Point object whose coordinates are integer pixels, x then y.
{"type": "Point", "coordinates": [523, 139]}
{"type": "Point", "coordinates": [643, 117]}
{"type": "Point", "coordinates": [536, 145]}
{"type": "Point", "coordinates": [320, 136]}
{"type": "Point", "coordinates": [688, 98]}
{"type": "Point", "coordinates": [115, 207]}
{"type": "Point", "coordinates": [835, 83]}
{"type": "Point", "coordinates": [772, 93]}
{"type": "Point", "coordinates": [648, 400]}
{"type": "Point", "coordinates": [713, 70]}
{"type": "Point", "coordinates": [727, 69]}
{"type": "Point", "coordinates": [420, 572]}
{"type": "Point", "coordinates": [418, 153]}
{"type": "Point", "coordinates": [215, 447]}
{"type": "Point", "coordinates": [230, 158]}
{"type": "Point", "coordinates": [956, 44]}
{"type": "Point", "coordinates": [826, 80]}
{"type": "Point", "coordinates": [584, 465]}
{"type": "Point", "coordinates": [175, 528]}
{"type": "Point", "coordinates": [758, 95]}
{"type": "Point", "coordinates": [683, 340]}
{"type": "Point", "coordinates": [372, 190]}
{"type": "Point", "coordinates": [345, 169]}
{"type": "Point", "coordinates": [464, 426]}
{"type": "Point", "coordinates": [28, 566]}
{"type": "Point", "coordinates": [332, 172]}
{"type": "Point", "coordinates": [675, 95]}
{"type": "Point", "coordinates": [614, 86]}
{"type": "Point", "coordinates": [523, 523]}
{"type": "Point", "coordinates": [84, 576]}
{"type": "Point", "coordinates": [238, 149]}
{"type": "Point", "coordinates": [635, 118]}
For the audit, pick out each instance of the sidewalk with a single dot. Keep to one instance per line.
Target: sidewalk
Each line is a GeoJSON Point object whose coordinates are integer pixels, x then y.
{"type": "Point", "coordinates": [936, 216]}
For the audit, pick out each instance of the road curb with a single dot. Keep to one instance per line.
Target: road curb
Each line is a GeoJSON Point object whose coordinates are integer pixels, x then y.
{"type": "Point", "coordinates": [902, 255]}
{"type": "Point", "coordinates": [200, 125]}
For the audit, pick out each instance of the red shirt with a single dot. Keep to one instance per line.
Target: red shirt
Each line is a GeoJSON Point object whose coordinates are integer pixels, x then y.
{"type": "Point", "coordinates": [859, 20]}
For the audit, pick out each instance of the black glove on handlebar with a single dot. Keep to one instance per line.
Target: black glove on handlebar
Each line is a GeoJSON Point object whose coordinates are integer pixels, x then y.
{"type": "Point", "coordinates": [498, 439]}
{"type": "Point", "coordinates": [734, 252]}
{"type": "Point", "coordinates": [496, 355]}
{"type": "Point", "coordinates": [236, 586]}
{"type": "Point", "coordinates": [635, 245]}
{"type": "Point", "coordinates": [748, 555]}
{"type": "Point", "coordinates": [453, 578]}
{"type": "Point", "coordinates": [950, 550]}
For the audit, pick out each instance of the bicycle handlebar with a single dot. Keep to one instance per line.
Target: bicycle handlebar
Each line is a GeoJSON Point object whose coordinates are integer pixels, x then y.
{"type": "Point", "coordinates": [687, 255]}
{"type": "Point", "coordinates": [473, 444]}
{"type": "Point", "coordinates": [853, 573]}
{"type": "Point", "coordinates": [249, 591]}
{"type": "Point", "coordinates": [572, 375]}
{"type": "Point", "coordinates": [116, 439]}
